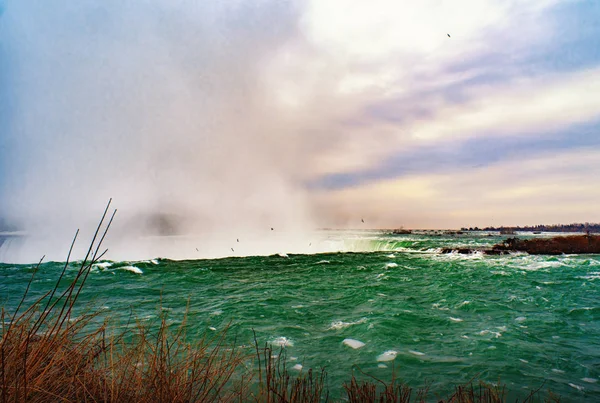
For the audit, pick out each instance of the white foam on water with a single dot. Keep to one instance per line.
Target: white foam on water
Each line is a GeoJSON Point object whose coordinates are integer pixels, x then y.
{"type": "Point", "coordinates": [576, 386]}
{"type": "Point", "coordinates": [558, 371]}
{"type": "Point", "coordinates": [589, 380]}
{"type": "Point", "coordinates": [391, 256]}
{"type": "Point", "coordinates": [103, 265]}
{"type": "Point", "coordinates": [352, 343]}
{"type": "Point", "coordinates": [323, 262]}
{"type": "Point", "coordinates": [216, 313]}
{"type": "Point", "coordinates": [212, 328]}
{"type": "Point", "coordinates": [418, 353]}
{"type": "Point", "coordinates": [338, 324]}
{"type": "Point", "coordinates": [391, 265]}
{"type": "Point", "coordinates": [487, 331]}
{"type": "Point", "coordinates": [380, 275]}
{"type": "Point", "coordinates": [297, 367]}
{"type": "Point", "coordinates": [455, 319]}
{"type": "Point", "coordinates": [153, 261]}
{"type": "Point", "coordinates": [297, 306]}
{"type": "Point", "coordinates": [464, 303]}
{"type": "Point", "coordinates": [381, 366]}
{"type": "Point", "coordinates": [464, 336]}
{"type": "Point", "coordinates": [132, 269]}
{"type": "Point", "coordinates": [380, 294]}
{"type": "Point", "coordinates": [501, 328]}
{"type": "Point", "coordinates": [293, 358]}
{"type": "Point", "coordinates": [283, 255]}
{"type": "Point", "coordinates": [282, 342]}
{"type": "Point", "coordinates": [371, 326]}
{"type": "Point", "coordinates": [524, 361]}
{"type": "Point", "coordinates": [389, 355]}
{"type": "Point", "coordinates": [521, 319]}
{"type": "Point", "coordinates": [593, 276]}
{"type": "Point", "coordinates": [535, 266]}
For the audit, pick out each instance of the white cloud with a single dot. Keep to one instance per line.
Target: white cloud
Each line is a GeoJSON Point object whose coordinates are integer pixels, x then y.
{"type": "Point", "coordinates": [360, 30]}
{"type": "Point", "coordinates": [518, 107]}
{"type": "Point", "coordinates": [354, 54]}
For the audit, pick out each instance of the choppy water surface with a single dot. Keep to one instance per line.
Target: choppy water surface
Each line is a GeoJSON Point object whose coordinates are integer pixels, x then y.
{"type": "Point", "coordinates": [436, 319]}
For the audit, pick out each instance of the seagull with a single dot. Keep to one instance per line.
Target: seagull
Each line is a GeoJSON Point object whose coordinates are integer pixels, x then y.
{"type": "Point", "coordinates": [238, 239]}
{"type": "Point", "coordinates": [232, 250]}
{"type": "Point", "coordinates": [362, 220]}
{"type": "Point", "coordinates": [197, 250]}
{"type": "Point", "coordinates": [448, 35]}
{"type": "Point", "coordinates": [271, 228]}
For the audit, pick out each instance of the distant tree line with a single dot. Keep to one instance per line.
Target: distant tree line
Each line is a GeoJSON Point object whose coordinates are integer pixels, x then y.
{"type": "Point", "coordinates": [575, 227]}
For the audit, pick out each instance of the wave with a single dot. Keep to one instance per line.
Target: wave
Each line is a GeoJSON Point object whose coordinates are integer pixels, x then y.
{"type": "Point", "coordinates": [338, 324]}
{"type": "Point", "coordinates": [133, 269]}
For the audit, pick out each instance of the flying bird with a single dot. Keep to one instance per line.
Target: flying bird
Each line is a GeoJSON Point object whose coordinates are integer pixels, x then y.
{"type": "Point", "coordinates": [448, 35]}
{"type": "Point", "coordinates": [271, 228]}
{"type": "Point", "coordinates": [197, 250]}
{"type": "Point", "coordinates": [361, 220]}
{"type": "Point", "coordinates": [232, 250]}
{"type": "Point", "coordinates": [238, 239]}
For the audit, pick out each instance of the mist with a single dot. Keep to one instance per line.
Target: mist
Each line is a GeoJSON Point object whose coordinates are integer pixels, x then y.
{"type": "Point", "coordinates": [164, 107]}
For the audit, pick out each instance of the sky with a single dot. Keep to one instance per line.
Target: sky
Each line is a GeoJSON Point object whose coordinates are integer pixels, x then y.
{"type": "Point", "coordinates": [241, 115]}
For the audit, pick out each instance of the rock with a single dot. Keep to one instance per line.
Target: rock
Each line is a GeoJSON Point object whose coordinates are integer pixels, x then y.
{"type": "Point", "coordinates": [575, 244]}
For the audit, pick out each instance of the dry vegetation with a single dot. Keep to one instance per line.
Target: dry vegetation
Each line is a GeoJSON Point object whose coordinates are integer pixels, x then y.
{"type": "Point", "coordinates": [47, 354]}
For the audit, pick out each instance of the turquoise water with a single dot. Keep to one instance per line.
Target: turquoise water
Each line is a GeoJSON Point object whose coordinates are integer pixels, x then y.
{"type": "Point", "coordinates": [443, 318]}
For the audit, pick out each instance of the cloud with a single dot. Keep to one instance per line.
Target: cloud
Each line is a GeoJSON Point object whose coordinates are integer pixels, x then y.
{"type": "Point", "coordinates": [552, 188]}
{"type": "Point", "coordinates": [466, 155]}
{"type": "Point", "coordinates": [530, 105]}
{"type": "Point", "coordinates": [383, 78]}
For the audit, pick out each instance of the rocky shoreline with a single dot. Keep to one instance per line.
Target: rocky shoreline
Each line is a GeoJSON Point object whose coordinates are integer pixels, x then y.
{"type": "Point", "coordinates": [575, 244]}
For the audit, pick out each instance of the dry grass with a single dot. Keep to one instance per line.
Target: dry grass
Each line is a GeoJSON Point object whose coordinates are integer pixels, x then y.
{"type": "Point", "coordinates": [276, 385]}
{"type": "Point", "coordinates": [379, 391]}
{"type": "Point", "coordinates": [48, 354]}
